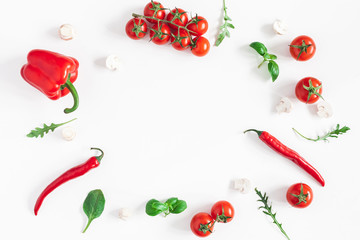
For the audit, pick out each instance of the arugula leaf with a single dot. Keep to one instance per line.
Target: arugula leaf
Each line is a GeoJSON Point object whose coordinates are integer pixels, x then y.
{"type": "Point", "coordinates": [268, 210]}
{"type": "Point", "coordinates": [93, 206]}
{"type": "Point", "coordinates": [224, 31]}
{"type": "Point", "coordinates": [42, 131]}
{"type": "Point", "coordinates": [334, 134]}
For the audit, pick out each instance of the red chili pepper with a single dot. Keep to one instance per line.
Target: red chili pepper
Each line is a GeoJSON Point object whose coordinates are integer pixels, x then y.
{"type": "Point", "coordinates": [72, 173]}
{"type": "Point", "coordinates": [280, 148]}
{"type": "Point", "coordinates": [53, 74]}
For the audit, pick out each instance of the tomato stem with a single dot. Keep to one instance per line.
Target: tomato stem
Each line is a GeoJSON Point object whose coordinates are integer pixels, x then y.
{"type": "Point", "coordinates": [166, 21]}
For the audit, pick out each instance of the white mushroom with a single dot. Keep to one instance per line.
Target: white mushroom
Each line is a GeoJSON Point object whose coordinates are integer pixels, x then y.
{"type": "Point", "coordinates": [285, 105]}
{"type": "Point", "coordinates": [113, 62]}
{"type": "Point", "coordinates": [67, 32]}
{"type": "Point", "coordinates": [68, 133]}
{"type": "Point", "coordinates": [125, 213]}
{"type": "Point", "coordinates": [324, 110]}
{"type": "Point", "coordinates": [280, 27]}
{"type": "Point", "coordinates": [242, 185]}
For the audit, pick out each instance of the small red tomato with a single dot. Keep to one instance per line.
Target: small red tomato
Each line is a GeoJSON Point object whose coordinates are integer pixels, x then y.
{"type": "Point", "coordinates": [308, 90]}
{"type": "Point", "coordinates": [161, 36]}
{"type": "Point", "coordinates": [198, 26]}
{"type": "Point", "coordinates": [302, 48]}
{"type": "Point", "coordinates": [222, 211]}
{"type": "Point", "coordinates": [177, 16]}
{"type": "Point", "coordinates": [200, 47]}
{"type": "Point", "coordinates": [180, 40]}
{"type": "Point", "coordinates": [136, 28]}
{"type": "Point", "coordinates": [299, 195]}
{"type": "Point", "coordinates": [155, 10]}
{"type": "Point", "coordinates": [202, 224]}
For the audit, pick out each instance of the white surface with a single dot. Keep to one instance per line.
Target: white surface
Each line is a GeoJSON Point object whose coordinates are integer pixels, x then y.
{"type": "Point", "coordinates": [171, 124]}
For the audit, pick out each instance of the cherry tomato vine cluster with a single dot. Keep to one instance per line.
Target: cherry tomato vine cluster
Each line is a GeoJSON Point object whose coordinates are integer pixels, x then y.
{"type": "Point", "coordinates": [173, 26]}
{"type": "Point", "coordinates": [202, 224]}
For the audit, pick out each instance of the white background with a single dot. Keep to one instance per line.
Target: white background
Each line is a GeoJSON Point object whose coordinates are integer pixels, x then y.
{"type": "Point", "coordinates": [171, 124]}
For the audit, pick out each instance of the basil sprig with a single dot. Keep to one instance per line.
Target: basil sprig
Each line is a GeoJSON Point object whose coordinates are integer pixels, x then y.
{"type": "Point", "coordinates": [93, 205]}
{"type": "Point", "coordinates": [172, 205]}
{"type": "Point", "coordinates": [273, 68]}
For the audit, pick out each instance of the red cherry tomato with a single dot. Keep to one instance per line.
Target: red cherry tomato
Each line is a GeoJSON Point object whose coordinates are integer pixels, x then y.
{"type": "Point", "coordinates": [308, 90]}
{"type": "Point", "coordinates": [180, 40]}
{"type": "Point", "coordinates": [136, 28]}
{"type": "Point", "coordinates": [299, 195]}
{"type": "Point", "coordinates": [302, 48]}
{"type": "Point", "coordinates": [198, 26]}
{"type": "Point", "coordinates": [202, 224]}
{"type": "Point", "coordinates": [222, 211]}
{"type": "Point", "coordinates": [201, 46]}
{"type": "Point", "coordinates": [177, 16]}
{"type": "Point", "coordinates": [161, 36]}
{"type": "Point", "coordinates": [154, 9]}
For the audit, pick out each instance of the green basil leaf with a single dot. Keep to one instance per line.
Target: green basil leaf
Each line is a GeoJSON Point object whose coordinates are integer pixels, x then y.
{"type": "Point", "coordinates": [273, 70]}
{"type": "Point", "coordinates": [160, 206]}
{"type": "Point", "coordinates": [259, 47]}
{"type": "Point", "coordinates": [93, 205]}
{"type": "Point", "coordinates": [150, 210]}
{"type": "Point", "coordinates": [272, 57]}
{"type": "Point", "coordinates": [179, 207]}
{"type": "Point", "coordinates": [171, 201]}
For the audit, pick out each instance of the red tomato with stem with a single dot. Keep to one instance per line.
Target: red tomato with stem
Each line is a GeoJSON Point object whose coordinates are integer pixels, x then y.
{"type": "Point", "coordinates": [136, 28]}
{"type": "Point", "coordinates": [180, 40]}
{"type": "Point", "coordinates": [299, 195]}
{"type": "Point", "coordinates": [200, 46]}
{"type": "Point", "coordinates": [202, 224]}
{"type": "Point", "coordinates": [222, 211]}
{"type": "Point", "coordinates": [198, 26]}
{"type": "Point", "coordinates": [155, 10]}
{"type": "Point", "coordinates": [308, 90]}
{"type": "Point", "coordinates": [177, 16]}
{"type": "Point", "coordinates": [160, 33]}
{"type": "Point", "coordinates": [302, 48]}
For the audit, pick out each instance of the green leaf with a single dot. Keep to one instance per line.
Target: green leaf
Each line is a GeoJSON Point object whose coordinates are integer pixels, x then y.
{"type": "Point", "coordinates": [42, 131]}
{"type": "Point", "coordinates": [172, 201]}
{"type": "Point", "coordinates": [150, 209]}
{"type": "Point", "coordinates": [178, 207]}
{"type": "Point", "coordinates": [224, 32]}
{"type": "Point", "coordinates": [230, 25]}
{"type": "Point", "coordinates": [267, 207]}
{"type": "Point", "coordinates": [93, 205]}
{"type": "Point", "coordinates": [273, 70]}
{"type": "Point", "coordinates": [269, 56]}
{"type": "Point", "coordinates": [160, 206]}
{"type": "Point", "coordinates": [219, 39]}
{"type": "Point", "coordinates": [334, 133]}
{"type": "Point", "coordinates": [259, 47]}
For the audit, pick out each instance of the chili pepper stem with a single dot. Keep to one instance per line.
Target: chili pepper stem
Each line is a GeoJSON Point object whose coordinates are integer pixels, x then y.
{"type": "Point", "coordinates": [75, 95]}
{"type": "Point", "coordinates": [254, 130]}
{"type": "Point", "coordinates": [100, 156]}
{"type": "Point", "coordinates": [87, 225]}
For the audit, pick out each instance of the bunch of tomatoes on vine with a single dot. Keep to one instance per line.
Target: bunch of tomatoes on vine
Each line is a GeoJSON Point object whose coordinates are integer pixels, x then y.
{"type": "Point", "coordinates": [174, 27]}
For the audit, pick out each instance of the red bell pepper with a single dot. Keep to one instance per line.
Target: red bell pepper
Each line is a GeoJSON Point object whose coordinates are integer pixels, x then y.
{"type": "Point", "coordinates": [53, 74]}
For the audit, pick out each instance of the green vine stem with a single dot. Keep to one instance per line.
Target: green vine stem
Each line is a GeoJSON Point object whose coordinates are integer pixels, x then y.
{"type": "Point", "coordinates": [166, 21]}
